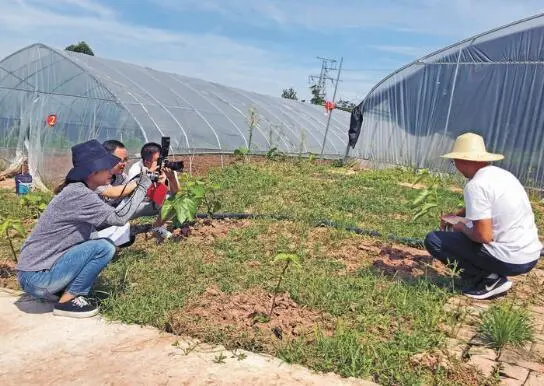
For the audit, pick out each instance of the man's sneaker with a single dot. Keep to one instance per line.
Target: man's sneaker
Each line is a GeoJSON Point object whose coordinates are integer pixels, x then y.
{"type": "Point", "coordinates": [162, 232]}
{"type": "Point", "coordinates": [489, 286]}
{"type": "Point", "coordinates": [78, 307]}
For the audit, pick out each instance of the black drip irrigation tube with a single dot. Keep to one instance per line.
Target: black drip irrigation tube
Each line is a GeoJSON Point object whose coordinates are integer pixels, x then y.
{"type": "Point", "coordinates": [412, 242]}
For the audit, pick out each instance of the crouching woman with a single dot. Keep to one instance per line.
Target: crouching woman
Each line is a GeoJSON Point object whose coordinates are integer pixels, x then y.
{"type": "Point", "coordinates": [59, 258]}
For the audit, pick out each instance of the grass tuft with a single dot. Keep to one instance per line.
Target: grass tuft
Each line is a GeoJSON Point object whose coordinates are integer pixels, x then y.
{"type": "Point", "coordinates": [504, 325]}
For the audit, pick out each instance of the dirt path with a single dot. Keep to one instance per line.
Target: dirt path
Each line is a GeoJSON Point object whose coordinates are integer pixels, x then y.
{"type": "Point", "coordinates": [39, 348]}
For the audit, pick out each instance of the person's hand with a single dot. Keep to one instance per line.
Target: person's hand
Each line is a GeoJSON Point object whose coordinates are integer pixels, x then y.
{"type": "Point", "coordinates": [459, 227]}
{"type": "Point", "coordinates": [162, 178]}
{"type": "Point", "coordinates": [170, 174]}
{"type": "Point", "coordinates": [444, 224]}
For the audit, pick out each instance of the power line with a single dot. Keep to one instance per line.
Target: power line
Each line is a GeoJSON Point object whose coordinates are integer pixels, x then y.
{"type": "Point", "coordinates": [321, 84]}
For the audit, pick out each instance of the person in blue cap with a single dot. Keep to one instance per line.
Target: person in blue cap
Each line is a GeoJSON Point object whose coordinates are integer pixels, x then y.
{"type": "Point", "coordinates": [59, 257]}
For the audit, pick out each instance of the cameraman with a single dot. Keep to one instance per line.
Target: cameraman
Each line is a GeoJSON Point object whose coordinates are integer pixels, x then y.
{"type": "Point", "coordinates": [122, 186]}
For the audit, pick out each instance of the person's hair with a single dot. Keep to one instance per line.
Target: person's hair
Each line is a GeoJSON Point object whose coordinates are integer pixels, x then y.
{"type": "Point", "coordinates": [148, 149]}
{"type": "Point", "coordinates": [62, 185]}
{"type": "Point", "coordinates": [112, 144]}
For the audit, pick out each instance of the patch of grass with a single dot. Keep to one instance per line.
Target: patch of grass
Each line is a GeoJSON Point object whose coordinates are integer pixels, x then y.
{"type": "Point", "coordinates": [505, 324]}
{"type": "Point", "coordinates": [370, 199]}
{"type": "Point", "coordinates": [381, 320]}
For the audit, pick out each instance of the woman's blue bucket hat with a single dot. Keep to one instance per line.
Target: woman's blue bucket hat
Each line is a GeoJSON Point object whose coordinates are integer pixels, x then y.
{"type": "Point", "coordinates": [89, 157]}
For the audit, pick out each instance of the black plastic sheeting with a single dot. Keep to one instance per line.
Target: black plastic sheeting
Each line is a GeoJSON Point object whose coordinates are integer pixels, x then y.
{"type": "Point", "coordinates": [491, 84]}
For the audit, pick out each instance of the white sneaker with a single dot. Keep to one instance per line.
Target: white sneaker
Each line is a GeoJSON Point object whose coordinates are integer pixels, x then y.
{"type": "Point", "coordinates": [162, 232]}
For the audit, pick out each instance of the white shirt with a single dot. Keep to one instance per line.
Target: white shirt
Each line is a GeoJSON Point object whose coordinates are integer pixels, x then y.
{"type": "Point", "coordinates": [135, 169]}
{"type": "Point", "coordinates": [496, 194]}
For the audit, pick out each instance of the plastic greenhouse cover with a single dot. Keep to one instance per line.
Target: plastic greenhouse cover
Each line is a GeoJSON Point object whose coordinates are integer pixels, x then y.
{"type": "Point", "coordinates": [491, 84]}
{"type": "Point", "coordinates": [105, 99]}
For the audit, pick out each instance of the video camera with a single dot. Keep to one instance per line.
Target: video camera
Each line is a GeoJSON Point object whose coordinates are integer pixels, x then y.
{"type": "Point", "coordinates": [163, 161]}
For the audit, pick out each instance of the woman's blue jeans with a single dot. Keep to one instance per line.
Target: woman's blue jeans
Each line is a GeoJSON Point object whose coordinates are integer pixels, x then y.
{"type": "Point", "coordinates": [74, 272]}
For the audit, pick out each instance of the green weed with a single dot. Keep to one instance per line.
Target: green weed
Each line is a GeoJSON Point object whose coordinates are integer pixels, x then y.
{"type": "Point", "coordinates": [505, 324]}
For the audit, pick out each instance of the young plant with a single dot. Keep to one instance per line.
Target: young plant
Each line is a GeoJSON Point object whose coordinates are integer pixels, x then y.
{"type": "Point", "coordinates": [210, 200]}
{"type": "Point", "coordinates": [427, 201]}
{"type": "Point", "coordinates": [241, 153]}
{"type": "Point", "coordinates": [193, 192]}
{"type": "Point", "coordinates": [182, 207]}
{"type": "Point", "coordinates": [287, 258]}
{"type": "Point", "coordinates": [36, 202]}
{"type": "Point", "coordinates": [503, 324]}
{"type": "Point", "coordinates": [10, 229]}
{"type": "Point", "coordinates": [253, 120]}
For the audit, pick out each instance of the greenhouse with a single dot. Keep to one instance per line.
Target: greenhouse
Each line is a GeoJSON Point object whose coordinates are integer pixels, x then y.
{"type": "Point", "coordinates": [52, 99]}
{"type": "Point", "coordinates": [491, 84]}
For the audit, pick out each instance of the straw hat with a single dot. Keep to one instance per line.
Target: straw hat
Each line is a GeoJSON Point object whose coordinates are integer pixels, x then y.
{"type": "Point", "coordinates": [471, 147]}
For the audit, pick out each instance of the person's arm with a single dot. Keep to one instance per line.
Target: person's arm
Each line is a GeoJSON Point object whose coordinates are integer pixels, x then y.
{"type": "Point", "coordinates": [173, 183]}
{"type": "Point", "coordinates": [478, 210]}
{"type": "Point", "coordinates": [119, 190]}
{"type": "Point", "coordinates": [125, 210]}
{"type": "Point", "coordinates": [481, 231]}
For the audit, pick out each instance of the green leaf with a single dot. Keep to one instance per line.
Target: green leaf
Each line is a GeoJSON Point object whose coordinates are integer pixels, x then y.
{"type": "Point", "coordinates": [4, 227]}
{"type": "Point", "coordinates": [424, 210]}
{"type": "Point", "coordinates": [198, 191]}
{"type": "Point", "coordinates": [421, 197]}
{"type": "Point", "coordinates": [18, 227]}
{"type": "Point", "coordinates": [288, 257]}
{"type": "Point", "coordinates": [166, 208]}
{"type": "Point", "coordinates": [185, 210]}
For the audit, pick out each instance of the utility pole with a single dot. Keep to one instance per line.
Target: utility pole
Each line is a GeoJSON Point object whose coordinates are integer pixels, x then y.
{"type": "Point", "coordinates": [333, 100]}
{"type": "Point", "coordinates": [320, 81]}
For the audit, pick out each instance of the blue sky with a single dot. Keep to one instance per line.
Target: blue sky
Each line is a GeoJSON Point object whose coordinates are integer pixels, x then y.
{"type": "Point", "coordinates": [258, 45]}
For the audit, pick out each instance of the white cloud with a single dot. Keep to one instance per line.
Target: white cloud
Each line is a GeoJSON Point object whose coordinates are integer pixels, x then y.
{"type": "Point", "coordinates": [208, 56]}
{"type": "Point", "coordinates": [456, 18]}
{"type": "Point", "coordinates": [211, 56]}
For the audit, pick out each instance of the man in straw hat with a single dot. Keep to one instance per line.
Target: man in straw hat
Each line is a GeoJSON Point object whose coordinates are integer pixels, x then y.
{"type": "Point", "coordinates": [495, 235]}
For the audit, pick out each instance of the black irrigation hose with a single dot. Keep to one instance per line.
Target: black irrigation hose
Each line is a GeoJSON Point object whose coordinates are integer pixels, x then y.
{"type": "Point", "coordinates": [412, 242]}
{"type": "Point", "coordinates": [409, 241]}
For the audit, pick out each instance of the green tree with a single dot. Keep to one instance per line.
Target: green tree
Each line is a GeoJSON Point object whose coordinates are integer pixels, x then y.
{"type": "Point", "coordinates": [345, 105]}
{"type": "Point", "coordinates": [289, 94]}
{"type": "Point", "coordinates": [317, 98]}
{"type": "Point", "coordinates": [81, 47]}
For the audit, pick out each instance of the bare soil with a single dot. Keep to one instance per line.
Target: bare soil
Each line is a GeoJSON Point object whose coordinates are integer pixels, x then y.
{"type": "Point", "coordinates": [243, 316]}
{"type": "Point", "coordinates": [8, 277]}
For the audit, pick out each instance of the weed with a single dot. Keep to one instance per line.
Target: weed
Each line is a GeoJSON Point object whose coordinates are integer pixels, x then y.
{"type": "Point", "coordinates": [241, 153]}
{"type": "Point", "coordinates": [239, 356]}
{"type": "Point", "coordinates": [10, 229]}
{"type": "Point", "coordinates": [220, 358]}
{"type": "Point", "coordinates": [505, 324]}
{"type": "Point", "coordinates": [35, 202]}
{"type": "Point", "coordinates": [428, 201]}
{"type": "Point", "coordinates": [253, 120]}
{"type": "Point", "coordinates": [287, 258]}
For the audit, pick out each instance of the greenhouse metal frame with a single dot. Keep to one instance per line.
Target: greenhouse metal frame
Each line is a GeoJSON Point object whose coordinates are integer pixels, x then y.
{"type": "Point", "coordinates": [93, 97]}
{"type": "Point", "coordinates": [491, 84]}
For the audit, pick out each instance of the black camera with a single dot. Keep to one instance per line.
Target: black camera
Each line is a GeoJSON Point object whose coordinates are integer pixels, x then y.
{"type": "Point", "coordinates": [176, 166]}
{"type": "Point", "coordinates": [163, 161]}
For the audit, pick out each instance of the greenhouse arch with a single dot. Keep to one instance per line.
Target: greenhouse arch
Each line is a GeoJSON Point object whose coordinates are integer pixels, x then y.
{"type": "Point", "coordinates": [106, 99]}
{"type": "Point", "coordinates": [490, 84]}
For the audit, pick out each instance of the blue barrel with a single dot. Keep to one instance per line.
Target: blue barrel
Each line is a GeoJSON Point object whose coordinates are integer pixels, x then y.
{"type": "Point", "coordinates": [23, 184]}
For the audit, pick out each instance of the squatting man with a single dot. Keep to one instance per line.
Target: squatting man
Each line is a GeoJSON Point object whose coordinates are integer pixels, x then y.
{"type": "Point", "coordinates": [494, 236]}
